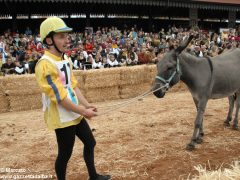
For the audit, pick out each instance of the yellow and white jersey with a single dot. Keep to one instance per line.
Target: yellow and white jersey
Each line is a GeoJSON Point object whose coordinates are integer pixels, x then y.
{"type": "Point", "coordinates": [56, 80]}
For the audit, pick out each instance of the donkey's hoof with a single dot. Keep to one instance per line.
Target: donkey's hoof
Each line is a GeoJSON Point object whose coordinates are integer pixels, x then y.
{"type": "Point", "coordinates": [190, 147]}
{"type": "Point", "coordinates": [199, 140]}
{"type": "Point", "coordinates": [201, 134]}
{"type": "Point", "coordinates": [235, 128]}
{"type": "Point", "coordinates": [226, 123]}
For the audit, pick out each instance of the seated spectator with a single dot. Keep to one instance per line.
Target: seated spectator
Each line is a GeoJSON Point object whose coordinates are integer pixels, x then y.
{"type": "Point", "coordinates": [8, 67]}
{"type": "Point", "coordinates": [112, 61]}
{"type": "Point", "coordinates": [151, 55]}
{"type": "Point", "coordinates": [19, 68]}
{"type": "Point", "coordinates": [106, 51]}
{"type": "Point", "coordinates": [81, 50]}
{"type": "Point", "coordinates": [1, 63]}
{"type": "Point", "coordinates": [94, 52]}
{"type": "Point", "coordinates": [79, 62]}
{"type": "Point", "coordinates": [105, 62]}
{"type": "Point", "coordinates": [98, 62]}
{"type": "Point", "coordinates": [39, 47]}
{"type": "Point", "coordinates": [160, 54]}
{"type": "Point", "coordinates": [89, 63]}
{"type": "Point", "coordinates": [73, 56]}
{"type": "Point", "coordinates": [20, 54]}
{"type": "Point", "coordinates": [122, 57]}
{"type": "Point", "coordinates": [33, 59]}
{"type": "Point", "coordinates": [88, 47]}
{"type": "Point", "coordinates": [28, 31]}
{"type": "Point", "coordinates": [143, 58]}
{"type": "Point", "coordinates": [132, 58]}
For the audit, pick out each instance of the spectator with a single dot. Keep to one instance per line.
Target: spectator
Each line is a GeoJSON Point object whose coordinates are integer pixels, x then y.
{"type": "Point", "coordinates": [88, 46]}
{"type": "Point", "coordinates": [81, 50]}
{"type": "Point", "coordinates": [89, 63]}
{"type": "Point", "coordinates": [20, 54]}
{"type": "Point", "coordinates": [79, 62]}
{"type": "Point", "coordinates": [33, 59]}
{"type": "Point", "coordinates": [28, 31]}
{"type": "Point", "coordinates": [112, 61]}
{"type": "Point", "coordinates": [73, 56]}
{"type": "Point", "coordinates": [8, 67]}
{"type": "Point", "coordinates": [105, 62]}
{"type": "Point", "coordinates": [132, 57]}
{"type": "Point", "coordinates": [98, 61]}
{"type": "Point", "coordinates": [19, 69]}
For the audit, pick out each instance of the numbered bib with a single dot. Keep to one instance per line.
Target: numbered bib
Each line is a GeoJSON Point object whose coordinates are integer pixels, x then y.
{"type": "Point", "coordinates": [64, 71]}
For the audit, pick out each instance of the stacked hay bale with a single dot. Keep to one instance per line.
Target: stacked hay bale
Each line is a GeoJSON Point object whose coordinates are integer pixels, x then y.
{"type": "Point", "coordinates": [22, 92]}
{"type": "Point", "coordinates": [100, 84]}
{"type": "Point", "coordinates": [134, 81]}
{"type": "Point", "coordinates": [4, 105]}
{"type": "Point", "coordinates": [80, 77]}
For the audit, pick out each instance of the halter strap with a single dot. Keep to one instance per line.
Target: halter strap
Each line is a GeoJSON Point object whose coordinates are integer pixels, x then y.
{"type": "Point", "coordinates": [167, 81]}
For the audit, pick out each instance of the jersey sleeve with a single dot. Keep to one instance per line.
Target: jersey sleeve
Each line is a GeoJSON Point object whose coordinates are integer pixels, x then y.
{"type": "Point", "coordinates": [48, 79]}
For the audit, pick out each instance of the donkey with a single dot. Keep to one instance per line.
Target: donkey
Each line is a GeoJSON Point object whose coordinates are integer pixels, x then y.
{"type": "Point", "coordinates": [205, 78]}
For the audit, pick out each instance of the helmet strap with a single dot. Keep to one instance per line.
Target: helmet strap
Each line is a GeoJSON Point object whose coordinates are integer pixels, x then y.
{"type": "Point", "coordinates": [50, 35]}
{"type": "Point", "coordinates": [54, 44]}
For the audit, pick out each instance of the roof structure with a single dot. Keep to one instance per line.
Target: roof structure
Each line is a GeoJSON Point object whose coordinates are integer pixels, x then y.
{"type": "Point", "coordinates": [38, 6]}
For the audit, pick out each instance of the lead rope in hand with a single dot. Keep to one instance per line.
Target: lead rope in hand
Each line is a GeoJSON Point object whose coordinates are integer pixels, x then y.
{"type": "Point", "coordinates": [127, 102]}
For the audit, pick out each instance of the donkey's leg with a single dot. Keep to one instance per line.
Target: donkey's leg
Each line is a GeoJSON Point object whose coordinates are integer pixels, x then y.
{"type": "Point", "coordinates": [198, 123]}
{"type": "Point", "coordinates": [230, 110]}
{"type": "Point", "coordinates": [235, 121]}
{"type": "Point", "coordinates": [201, 133]}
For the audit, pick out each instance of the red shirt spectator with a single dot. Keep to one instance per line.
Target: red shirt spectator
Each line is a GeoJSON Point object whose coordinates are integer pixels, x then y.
{"type": "Point", "coordinates": [88, 47]}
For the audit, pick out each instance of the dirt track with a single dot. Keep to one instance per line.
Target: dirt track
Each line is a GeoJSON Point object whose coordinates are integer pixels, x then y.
{"type": "Point", "coordinates": [145, 140]}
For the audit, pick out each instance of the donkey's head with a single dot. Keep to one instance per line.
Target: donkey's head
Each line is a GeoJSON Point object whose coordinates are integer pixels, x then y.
{"type": "Point", "coordinates": [168, 70]}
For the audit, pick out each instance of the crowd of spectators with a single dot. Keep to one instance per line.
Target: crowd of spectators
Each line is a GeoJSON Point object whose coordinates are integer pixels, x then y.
{"type": "Point", "coordinates": [110, 47]}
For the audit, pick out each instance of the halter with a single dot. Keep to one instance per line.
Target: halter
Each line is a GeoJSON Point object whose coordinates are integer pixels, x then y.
{"type": "Point", "coordinates": [167, 81]}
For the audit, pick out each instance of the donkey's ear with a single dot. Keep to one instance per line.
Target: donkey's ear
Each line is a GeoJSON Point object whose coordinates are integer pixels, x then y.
{"type": "Point", "coordinates": [184, 44]}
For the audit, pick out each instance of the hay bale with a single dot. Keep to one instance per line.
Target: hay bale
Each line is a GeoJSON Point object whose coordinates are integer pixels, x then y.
{"type": "Point", "coordinates": [80, 77]}
{"type": "Point", "coordinates": [133, 75]}
{"type": "Point", "coordinates": [4, 103]}
{"type": "Point", "coordinates": [23, 92]}
{"type": "Point", "coordinates": [27, 102]}
{"type": "Point", "coordinates": [151, 73]}
{"type": "Point", "coordinates": [130, 91]}
{"type": "Point", "coordinates": [102, 94]}
{"type": "Point", "coordinates": [14, 82]}
{"type": "Point", "coordinates": [100, 78]}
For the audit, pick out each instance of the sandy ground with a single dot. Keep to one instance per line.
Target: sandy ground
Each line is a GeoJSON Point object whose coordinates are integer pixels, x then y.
{"type": "Point", "coordinates": [145, 140]}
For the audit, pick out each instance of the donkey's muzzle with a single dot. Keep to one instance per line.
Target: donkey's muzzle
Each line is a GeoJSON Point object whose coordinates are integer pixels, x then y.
{"type": "Point", "coordinates": [159, 94]}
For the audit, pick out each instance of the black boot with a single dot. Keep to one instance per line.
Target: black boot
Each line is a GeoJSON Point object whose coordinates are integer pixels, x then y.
{"type": "Point", "coordinates": [101, 177]}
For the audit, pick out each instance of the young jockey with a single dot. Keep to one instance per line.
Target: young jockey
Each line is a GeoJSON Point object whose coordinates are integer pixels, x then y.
{"type": "Point", "coordinates": [64, 105]}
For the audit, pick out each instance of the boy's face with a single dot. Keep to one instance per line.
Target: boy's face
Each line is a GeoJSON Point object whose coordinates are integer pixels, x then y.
{"type": "Point", "coordinates": [61, 40]}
